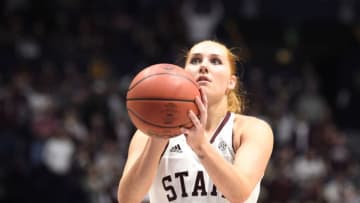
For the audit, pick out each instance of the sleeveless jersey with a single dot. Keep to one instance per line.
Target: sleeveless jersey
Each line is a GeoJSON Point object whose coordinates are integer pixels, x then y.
{"type": "Point", "coordinates": [181, 178]}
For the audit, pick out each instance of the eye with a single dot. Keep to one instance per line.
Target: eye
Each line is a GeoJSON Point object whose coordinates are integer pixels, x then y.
{"type": "Point", "coordinates": [215, 61]}
{"type": "Point", "coordinates": [195, 60]}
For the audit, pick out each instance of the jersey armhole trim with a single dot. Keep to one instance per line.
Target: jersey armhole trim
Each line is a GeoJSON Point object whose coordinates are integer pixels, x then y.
{"type": "Point", "coordinates": [162, 154]}
{"type": "Point", "coordinates": [222, 124]}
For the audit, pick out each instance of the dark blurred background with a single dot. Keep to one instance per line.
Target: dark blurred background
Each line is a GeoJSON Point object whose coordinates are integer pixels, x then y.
{"type": "Point", "coordinates": [66, 65]}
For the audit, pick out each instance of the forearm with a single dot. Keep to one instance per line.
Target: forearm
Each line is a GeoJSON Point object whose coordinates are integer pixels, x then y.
{"type": "Point", "coordinates": [236, 187]}
{"type": "Point", "coordinates": [137, 178]}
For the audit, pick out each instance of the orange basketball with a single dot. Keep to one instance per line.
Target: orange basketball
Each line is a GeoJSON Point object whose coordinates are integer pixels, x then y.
{"type": "Point", "coordinates": [159, 98]}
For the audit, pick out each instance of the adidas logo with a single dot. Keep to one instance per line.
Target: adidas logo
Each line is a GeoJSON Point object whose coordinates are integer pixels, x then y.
{"type": "Point", "coordinates": [176, 148]}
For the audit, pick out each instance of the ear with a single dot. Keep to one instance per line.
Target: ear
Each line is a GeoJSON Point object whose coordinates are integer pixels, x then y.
{"type": "Point", "coordinates": [232, 82]}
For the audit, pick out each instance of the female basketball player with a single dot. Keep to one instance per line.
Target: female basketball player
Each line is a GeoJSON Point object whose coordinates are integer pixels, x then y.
{"type": "Point", "coordinates": [222, 158]}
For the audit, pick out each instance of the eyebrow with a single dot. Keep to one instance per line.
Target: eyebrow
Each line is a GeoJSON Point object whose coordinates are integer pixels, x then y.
{"type": "Point", "coordinates": [199, 54]}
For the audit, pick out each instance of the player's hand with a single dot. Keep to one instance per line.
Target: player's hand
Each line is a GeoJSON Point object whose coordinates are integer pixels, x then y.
{"type": "Point", "coordinates": [196, 135]}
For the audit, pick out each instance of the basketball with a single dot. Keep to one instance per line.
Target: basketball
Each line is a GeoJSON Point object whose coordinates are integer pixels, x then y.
{"type": "Point", "coordinates": [159, 98]}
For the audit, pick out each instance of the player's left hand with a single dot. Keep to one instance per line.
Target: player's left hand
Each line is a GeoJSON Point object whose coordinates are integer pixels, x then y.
{"type": "Point", "coordinates": [196, 135]}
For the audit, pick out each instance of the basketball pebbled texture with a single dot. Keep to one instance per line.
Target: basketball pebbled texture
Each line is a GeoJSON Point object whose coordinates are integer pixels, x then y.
{"type": "Point", "coordinates": [159, 98]}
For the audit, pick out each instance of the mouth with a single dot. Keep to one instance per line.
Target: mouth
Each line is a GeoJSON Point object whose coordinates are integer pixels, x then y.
{"type": "Point", "coordinates": [202, 79]}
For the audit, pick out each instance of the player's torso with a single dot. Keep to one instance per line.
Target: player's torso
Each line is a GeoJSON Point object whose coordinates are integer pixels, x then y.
{"type": "Point", "coordinates": [182, 178]}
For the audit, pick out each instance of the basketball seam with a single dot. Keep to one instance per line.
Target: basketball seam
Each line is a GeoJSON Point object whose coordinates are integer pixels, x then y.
{"type": "Point", "coordinates": [156, 74]}
{"type": "Point", "coordinates": [153, 124]}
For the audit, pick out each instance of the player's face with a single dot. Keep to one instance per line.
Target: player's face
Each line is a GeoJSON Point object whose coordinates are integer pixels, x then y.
{"type": "Point", "coordinates": [208, 63]}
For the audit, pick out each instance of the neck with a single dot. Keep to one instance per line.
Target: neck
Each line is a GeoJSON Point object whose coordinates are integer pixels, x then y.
{"type": "Point", "coordinates": [216, 112]}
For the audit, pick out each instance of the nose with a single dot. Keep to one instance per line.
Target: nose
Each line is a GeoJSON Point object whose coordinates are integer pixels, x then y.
{"type": "Point", "coordinates": [203, 69]}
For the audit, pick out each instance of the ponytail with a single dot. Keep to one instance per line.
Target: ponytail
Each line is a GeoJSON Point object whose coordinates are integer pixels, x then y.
{"type": "Point", "coordinates": [236, 99]}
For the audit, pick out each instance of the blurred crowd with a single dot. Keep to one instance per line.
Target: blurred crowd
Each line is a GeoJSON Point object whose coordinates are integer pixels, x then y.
{"type": "Point", "coordinates": [66, 66]}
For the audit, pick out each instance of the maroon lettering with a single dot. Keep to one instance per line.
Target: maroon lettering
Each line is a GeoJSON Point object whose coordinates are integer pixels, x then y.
{"type": "Point", "coordinates": [199, 185]}
{"type": "Point", "coordinates": [181, 175]}
{"type": "Point", "coordinates": [170, 188]}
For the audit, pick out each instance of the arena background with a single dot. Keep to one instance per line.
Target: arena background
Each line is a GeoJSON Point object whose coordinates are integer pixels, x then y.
{"type": "Point", "coordinates": [66, 64]}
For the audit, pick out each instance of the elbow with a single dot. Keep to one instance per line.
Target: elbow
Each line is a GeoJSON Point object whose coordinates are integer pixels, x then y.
{"type": "Point", "coordinates": [239, 197]}
{"type": "Point", "coordinates": [122, 195]}
{"type": "Point", "coordinates": [126, 195]}
{"type": "Point", "coordinates": [237, 200]}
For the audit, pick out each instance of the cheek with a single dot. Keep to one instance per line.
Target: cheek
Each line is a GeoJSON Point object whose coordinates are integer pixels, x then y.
{"type": "Point", "coordinates": [220, 84]}
{"type": "Point", "coordinates": [223, 81]}
{"type": "Point", "coordinates": [191, 70]}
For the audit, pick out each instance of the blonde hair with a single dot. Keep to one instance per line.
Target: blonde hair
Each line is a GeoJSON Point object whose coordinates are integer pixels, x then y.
{"type": "Point", "coordinates": [236, 96]}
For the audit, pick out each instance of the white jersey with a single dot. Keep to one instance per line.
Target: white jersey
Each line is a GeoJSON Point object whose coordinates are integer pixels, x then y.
{"type": "Point", "coordinates": [181, 178]}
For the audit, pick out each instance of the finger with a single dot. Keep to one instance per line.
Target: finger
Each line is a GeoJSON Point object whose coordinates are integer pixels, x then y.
{"type": "Point", "coordinates": [203, 97]}
{"type": "Point", "coordinates": [202, 109]}
{"type": "Point", "coordinates": [200, 104]}
{"type": "Point", "coordinates": [194, 119]}
{"type": "Point", "coordinates": [184, 131]}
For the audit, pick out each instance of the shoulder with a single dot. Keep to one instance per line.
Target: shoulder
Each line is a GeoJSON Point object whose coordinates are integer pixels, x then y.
{"type": "Point", "coordinates": [247, 123]}
{"type": "Point", "coordinates": [250, 128]}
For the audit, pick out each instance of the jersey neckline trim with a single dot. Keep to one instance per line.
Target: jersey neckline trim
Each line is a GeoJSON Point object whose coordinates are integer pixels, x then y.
{"type": "Point", "coordinates": [222, 124]}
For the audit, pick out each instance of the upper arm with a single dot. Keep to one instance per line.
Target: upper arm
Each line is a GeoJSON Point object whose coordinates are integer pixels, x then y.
{"type": "Point", "coordinates": [254, 152]}
{"type": "Point", "coordinates": [137, 144]}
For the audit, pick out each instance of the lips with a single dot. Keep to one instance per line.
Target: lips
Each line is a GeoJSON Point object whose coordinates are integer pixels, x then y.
{"type": "Point", "coordinates": [203, 79]}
